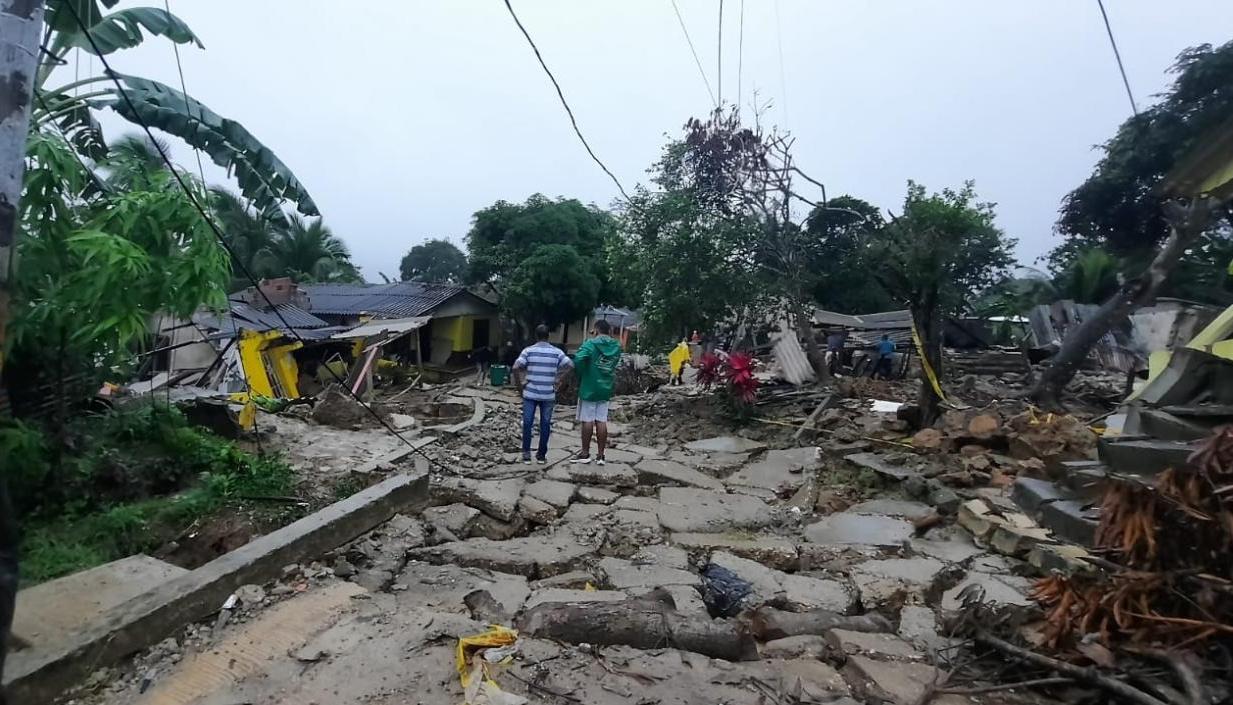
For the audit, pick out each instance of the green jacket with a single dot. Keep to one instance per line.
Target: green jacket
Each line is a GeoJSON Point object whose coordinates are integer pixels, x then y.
{"type": "Point", "coordinates": [596, 362]}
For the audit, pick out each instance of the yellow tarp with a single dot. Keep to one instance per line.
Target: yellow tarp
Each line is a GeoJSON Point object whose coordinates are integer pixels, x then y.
{"type": "Point", "coordinates": [478, 686]}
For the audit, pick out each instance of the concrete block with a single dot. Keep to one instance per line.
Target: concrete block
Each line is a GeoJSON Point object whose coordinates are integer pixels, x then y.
{"type": "Point", "coordinates": [1070, 521]}
{"type": "Point", "coordinates": [1144, 457]}
{"type": "Point", "coordinates": [1030, 493]}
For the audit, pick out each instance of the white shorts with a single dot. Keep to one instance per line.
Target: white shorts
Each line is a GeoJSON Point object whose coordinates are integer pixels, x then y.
{"type": "Point", "coordinates": [592, 411]}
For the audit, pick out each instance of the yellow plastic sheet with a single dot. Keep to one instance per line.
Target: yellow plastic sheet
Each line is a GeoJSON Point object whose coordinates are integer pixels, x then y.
{"type": "Point", "coordinates": [924, 364]}
{"type": "Point", "coordinates": [473, 668]}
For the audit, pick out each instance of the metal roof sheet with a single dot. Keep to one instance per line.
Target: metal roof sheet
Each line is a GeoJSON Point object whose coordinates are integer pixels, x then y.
{"type": "Point", "coordinates": [385, 325]}
{"type": "Point", "coordinates": [394, 300]}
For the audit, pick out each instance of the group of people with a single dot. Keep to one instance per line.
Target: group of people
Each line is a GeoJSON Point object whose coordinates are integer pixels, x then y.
{"type": "Point", "coordinates": [539, 371]}
{"type": "Point", "coordinates": [883, 354]}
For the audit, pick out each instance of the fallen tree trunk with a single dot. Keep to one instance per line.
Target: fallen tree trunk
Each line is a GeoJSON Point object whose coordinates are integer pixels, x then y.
{"type": "Point", "coordinates": [642, 624]}
{"type": "Point", "coordinates": [769, 623]}
{"type": "Point", "coordinates": [1186, 225]}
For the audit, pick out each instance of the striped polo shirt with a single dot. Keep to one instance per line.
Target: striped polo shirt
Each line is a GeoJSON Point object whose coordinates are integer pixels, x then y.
{"type": "Point", "coordinates": [542, 362]}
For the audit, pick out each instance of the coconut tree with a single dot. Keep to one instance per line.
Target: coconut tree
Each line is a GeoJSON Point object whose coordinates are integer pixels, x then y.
{"type": "Point", "coordinates": [307, 250]}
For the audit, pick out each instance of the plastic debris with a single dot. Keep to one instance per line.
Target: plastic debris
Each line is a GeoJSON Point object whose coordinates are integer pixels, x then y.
{"type": "Point", "coordinates": [723, 591]}
{"type": "Point", "coordinates": [495, 646]}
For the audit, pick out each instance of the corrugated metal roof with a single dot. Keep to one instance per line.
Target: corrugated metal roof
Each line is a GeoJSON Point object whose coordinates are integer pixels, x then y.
{"type": "Point", "coordinates": [886, 320]}
{"type": "Point", "coordinates": [385, 325]}
{"type": "Point", "coordinates": [242, 316]}
{"type": "Point", "coordinates": [395, 300]}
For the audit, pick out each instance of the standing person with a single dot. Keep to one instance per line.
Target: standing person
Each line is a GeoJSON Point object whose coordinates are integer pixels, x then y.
{"type": "Point", "coordinates": [536, 372]}
{"type": "Point", "coordinates": [676, 363]}
{"type": "Point", "coordinates": [596, 362]}
{"type": "Point", "coordinates": [834, 348]}
{"type": "Point", "coordinates": [886, 351]}
{"type": "Point", "coordinates": [482, 357]}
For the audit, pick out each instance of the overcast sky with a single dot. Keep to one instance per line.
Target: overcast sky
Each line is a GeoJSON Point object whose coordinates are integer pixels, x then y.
{"type": "Point", "coordinates": [404, 117]}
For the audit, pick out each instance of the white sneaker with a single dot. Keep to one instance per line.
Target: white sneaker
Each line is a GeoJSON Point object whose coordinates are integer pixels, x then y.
{"type": "Point", "coordinates": [581, 459]}
{"type": "Point", "coordinates": [542, 461]}
{"type": "Point", "coordinates": [599, 461]}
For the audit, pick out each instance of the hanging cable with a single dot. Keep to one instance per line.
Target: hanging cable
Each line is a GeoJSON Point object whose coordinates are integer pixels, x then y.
{"type": "Point", "coordinates": [719, 57]}
{"type": "Point", "coordinates": [218, 234]}
{"type": "Point", "coordinates": [184, 89]}
{"type": "Point", "coordinates": [572, 120]}
{"type": "Point", "coordinates": [1118, 55]}
{"type": "Point", "coordinates": [697, 61]}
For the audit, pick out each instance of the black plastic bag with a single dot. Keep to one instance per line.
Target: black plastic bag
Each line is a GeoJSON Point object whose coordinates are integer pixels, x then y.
{"type": "Point", "coordinates": [723, 591]}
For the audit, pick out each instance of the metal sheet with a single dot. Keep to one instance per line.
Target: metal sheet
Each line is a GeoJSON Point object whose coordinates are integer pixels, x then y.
{"type": "Point", "coordinates": [382, 327]}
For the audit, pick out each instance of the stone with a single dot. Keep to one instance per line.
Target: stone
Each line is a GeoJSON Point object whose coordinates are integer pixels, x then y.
{"type": "Point", "coordinates": [536, 511]}
{"type": "Point", "coordinates": [779, 471]}
{"type": "Point", "coordinates": [611, 474]}
{"type": "Point", "coordinates": [882, 465]}
{"type": "Point", "coordinates": [564, 595]}
{"type": "Point", "coordinates": [896, 683]}
{"type": "Point", "coordinates": [976, 516]}
{"type": "Point", "coordinates": [455, 518]}
{"type": "Point", "coordinates": [885, 647]}
{"type": "Point", "coordinates": [812, 646]}
{"type": "Point", "coordinates": [690, 509]}
{"type": "Point", "coordinates": [1063, 558]}
{"type": "Point", "coordinates": [597, 495]}
{"type": "Point", "coordinates": [725, 444]}
{"type": "Point", "coordinates": [972, 451]}
{"type": "Point", "coordinates": [984, 426]}
{"type": "Point", "coordinates": [893, 508]}
{"type": "Point", "coordinates": [944, 500]}
{"type": "Point", "coordinates": [654, 471]}
{"type": "Point", "coordinates": [497, 530]}
{"type": "Point", "coordinates": [584, 513]}
{"type": "Point", "coordinates": [529, 556]}
{"type": "Point", "coordinates": [894, 579]}
{"type": "Point", "coordinates": [635, 517]}
{"type": "Point", "coordinates": [1018, 540]}
{"type": "Point", "coordinates": [638, 504]}
{"type": "Point", "coordinates": [621, 575]}
{"type": "Point", "coordinates": [996, 591]}
{"type": "Point", "coordinates": [686, 600]}
{"type": "Point", "coordinates": [955, 549]}
{"type": "Point", "coordinates": [552, 492]}
{"type": "Point", "coordinates": [572, 580]}
{"type": "Point", "coordinates": [496, 498]}
{"type": "Point", "coordinates": [867, 530]}
{"type": "Point", "coordinates": [919, 625]}
{"type": "Point", "coordinates": [618, 455]}
{"type": "Point", "coordinates": [791, 592]}
{"type": "Point", "coordinates": [764, 581]}
{"type": "Point", "coordinates": [662, 555]}
{"type": "Point", "coordinates": [343, 569]}
{"type": "Point", "coordinates": [928, 439]}
{"type": "Point", "coordinates": [1071, 520]}
{"type": "Point", "coordinates": [771, 551]}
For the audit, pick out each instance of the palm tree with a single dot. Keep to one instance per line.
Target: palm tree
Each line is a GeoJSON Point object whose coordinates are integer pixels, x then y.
{"type": "Point", "coordinates": [133, 163]}
{"type": "Point", "coordinates": [308, 251]}
{"type": "Point", "coordinates": [249, 232]}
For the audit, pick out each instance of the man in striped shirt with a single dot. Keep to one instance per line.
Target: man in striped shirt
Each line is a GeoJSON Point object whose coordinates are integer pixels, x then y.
{"type": "Point", "coordinates": [537, 371]}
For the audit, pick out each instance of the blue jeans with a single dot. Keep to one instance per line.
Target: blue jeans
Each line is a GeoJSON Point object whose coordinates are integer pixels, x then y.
{"type": "Point", "coordinates": [528, 422]}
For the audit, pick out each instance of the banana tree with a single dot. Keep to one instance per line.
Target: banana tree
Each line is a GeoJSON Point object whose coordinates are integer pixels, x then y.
{"type": "Point", "coordinates": [83, 25]}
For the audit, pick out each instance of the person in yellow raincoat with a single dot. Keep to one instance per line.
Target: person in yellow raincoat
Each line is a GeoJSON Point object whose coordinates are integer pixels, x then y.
{"type": "Point", "coordinates": [676, 362]}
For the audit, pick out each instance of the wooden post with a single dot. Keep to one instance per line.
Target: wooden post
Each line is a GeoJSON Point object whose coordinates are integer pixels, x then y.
{"type": "Point", "coordinates": [21, 26]}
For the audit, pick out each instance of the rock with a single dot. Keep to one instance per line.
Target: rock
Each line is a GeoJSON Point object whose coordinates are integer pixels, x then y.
{"type": "Point", "coordinates": [689, 509]}
{"type": "Point", "coordinates": [894, 579]}
{"type": "Point", "coordinates": [455, 518]}
{"type": "Point", "coordinates": [496, 498]}
{"type": "Point", "coordinates": [897, 683]}
{"type": "Point", "coordinates": [636, 518]}
{"type": "Point", "coordinates": [654, 471]}
{"type": "Point", "coordinates": [892, 508]}
{"type": "Point", "coordinates": [638, 504]}
{"type": "Point", "coordinates": [955, 549]}
{"type": "Point", "coordinates": [979, 463]}
{"type": "Point", "coordinates": [662, 555]}
{"type": "Point", "coordinates": [779, 471]}
{"type": "Point", "coordinates": [343, 569]}
{"type": "Point", "coordinates": [584, 513]}
{"type": "Point", "coordinates": [791, 592]}
{"type": "Point", "coordinates": [725, 444]}
{"type": "Point", "coordinates": [945, 500]}
{"type": "Point", "coordinates": [996, 591]}
{"type": "Point", "coordinates": [763, 580]}
{"type": "Point", "coordinates": [497, 530]}
{"type": "Point", "coordinates": [883, 465]}
{"type": "Point", "coordinates": [884, 647]}
{"type": "Point", "coordinates": [928, 439]}
{"type": "Point", "coordinates": [529, 556]}
{"type": "Point", "coordinates": [597, 495]}
{"type": "Point", "coordinates": [1017, 540]}
{"type": "Point", "coordinates": [984, 426]}
{"type": "Point", "coordinates": [919, 625]}
{"type": "Point", "coordinates": [972, 451]}
{"type": "Point", "coordinates": [803, 646]}
{"type": "Point", "coordinates": [536, 511]}
{"type": "Point", "coordinates": [557, 494]}
{"type": "Point", "coordinates": [573, 580]}
{"type": "Point", "coordinates": [563, 595]}
{"type": "Point", "coordinates": [250, 595]}
{"type": "Point", "coordinates": [868, 530]}
{"type": "Point", "coordinates": [621, 575]}
{"type": "Point", "coordinates": [686, 600]}
{"type": "Point", "coordinates": [770, 551]}
{"type": "Point", "coordinates": [612, 474]}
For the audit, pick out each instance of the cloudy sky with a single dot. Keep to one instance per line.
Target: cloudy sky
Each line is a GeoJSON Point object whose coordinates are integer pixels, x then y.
{"type": "Point", "coordinates": [403, 117]}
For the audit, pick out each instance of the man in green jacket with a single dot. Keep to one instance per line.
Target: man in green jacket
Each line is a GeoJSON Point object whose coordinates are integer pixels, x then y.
{"type": "Point", "coordinates": [596, 362]}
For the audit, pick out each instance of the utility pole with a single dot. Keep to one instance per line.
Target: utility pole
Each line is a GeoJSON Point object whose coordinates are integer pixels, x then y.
{"type": "Point", "coordinates": [21, 29]}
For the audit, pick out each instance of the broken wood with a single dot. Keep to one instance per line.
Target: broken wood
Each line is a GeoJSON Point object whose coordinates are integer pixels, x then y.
{"type": "Point", "coordinates": [769, 623]}
{"type": "Point", "coordinates": [640, 623]}
{"type": "Point", "coordinates": [809, 422]}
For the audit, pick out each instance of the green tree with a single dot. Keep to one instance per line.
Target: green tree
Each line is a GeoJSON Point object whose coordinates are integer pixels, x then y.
{"type": "Point", "coordinates": [434, 260]}
{"type": "Point", "coordinates": [262, 176]}
{"type": "Point", "coordinates": [933, 258]}
{"type": "Point", "coordinates": [307, 251]}
{"type": "Point", "coordinates": [839, 261]}
{"type": "Point", "coordinates": [554, 285]}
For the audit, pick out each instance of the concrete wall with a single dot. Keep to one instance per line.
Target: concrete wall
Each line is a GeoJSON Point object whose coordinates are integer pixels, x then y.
{"type": "Point", "coordinates": [198, 355]}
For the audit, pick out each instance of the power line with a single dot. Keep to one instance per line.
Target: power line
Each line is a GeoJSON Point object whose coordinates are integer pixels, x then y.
{"type": "Point", "coordinates": [690, 42]}
{"type": "Point", "coordinates": [740, 56]}
{"type": "Point", "coordinates": [1118, 55]}
{"type": "Point", "coordinates": [783, 81]}
{"type": "Point", "coordinates": [218, 233]}
{"type": "Point", "coordinates": [719, 55]}
{"type": "Point", "coordinates": [572, 120]}
{"type": "Point", "coordinates": [184, 89]}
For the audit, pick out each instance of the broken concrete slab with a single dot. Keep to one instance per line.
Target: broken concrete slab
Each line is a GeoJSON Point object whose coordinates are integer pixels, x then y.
{"type": "Point", "coordinates": [49, 613]}
{"type": "Point", "coordinates": [638, 504]}
{"type": "Point", "coordinates": [619, 455]}
{"type": "Point", "coordinates": [919, 625]}
{"type": "Point", "coordinates": [1071, 520]}
{"type": "Point", "coordinates": [529, 556]}
{"type": "Point", "coordinates": [1145, 457]}
{"type": "Point", "coordinates": [791, 592]}
{"type": "Point", "coordinates": [884, 647]}
{"type": "Point", "coordinates": [778, 471]}
{"type": "Point", "coordinates": [644, 451]}
{"type": "Point", "coordinates": [553, 492]}
{"type": "Point", "coordinates": [39, 675]}
{"type": "Point", "coordinates": [1031, 494]}
{"type": "Point", "coordinates": [654, 471]}
{"type": "Point", "coordinates": [496, 498]}
{"type": "Point", "coordinates": [497, 530]}
{"type": "Point", "coordinates": [536, 511]}
{"type": "Point", "coordinates": [622, 575]}
{"type": "Point", "coordinates": [771, 551]}
{"type": "Point", "coordinates": [664, 555]}
{"type": "Point", "coordinates": [597, 495]}
{"type": "Point", "coordinates": [993, 588]}
{"type": "Point", "coordinates": [572, 580]}
{"type": "Point", "coordinates": [862, 529]}
{"type": "Point", "coordinates": [954, 549]}
{"type": "Point", "coordinates": [725, 444]}
{"type": "Point", "coordinates": [811, 646]}
{"type": "Point", "coordinates": [609, 475]}
{"type": "Point", "coordinates": [904, 509]}
{"type": "Point", "coordinates": [882, 465]}
{"type": "Point", "coordinates": [897, 683]}
{"type": "Point", "coordinates": [686, 599]}
{"type": "Point", "coordinates": [447, 587]}
{"type": "Point", "coordinates": [539, 597]}
{"type": "Point", "coordinates": [892, 579]}
{"type": "Point", "coordinates": [584, 513]}
{"type": "Point", "coordinates": [689, 509]}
